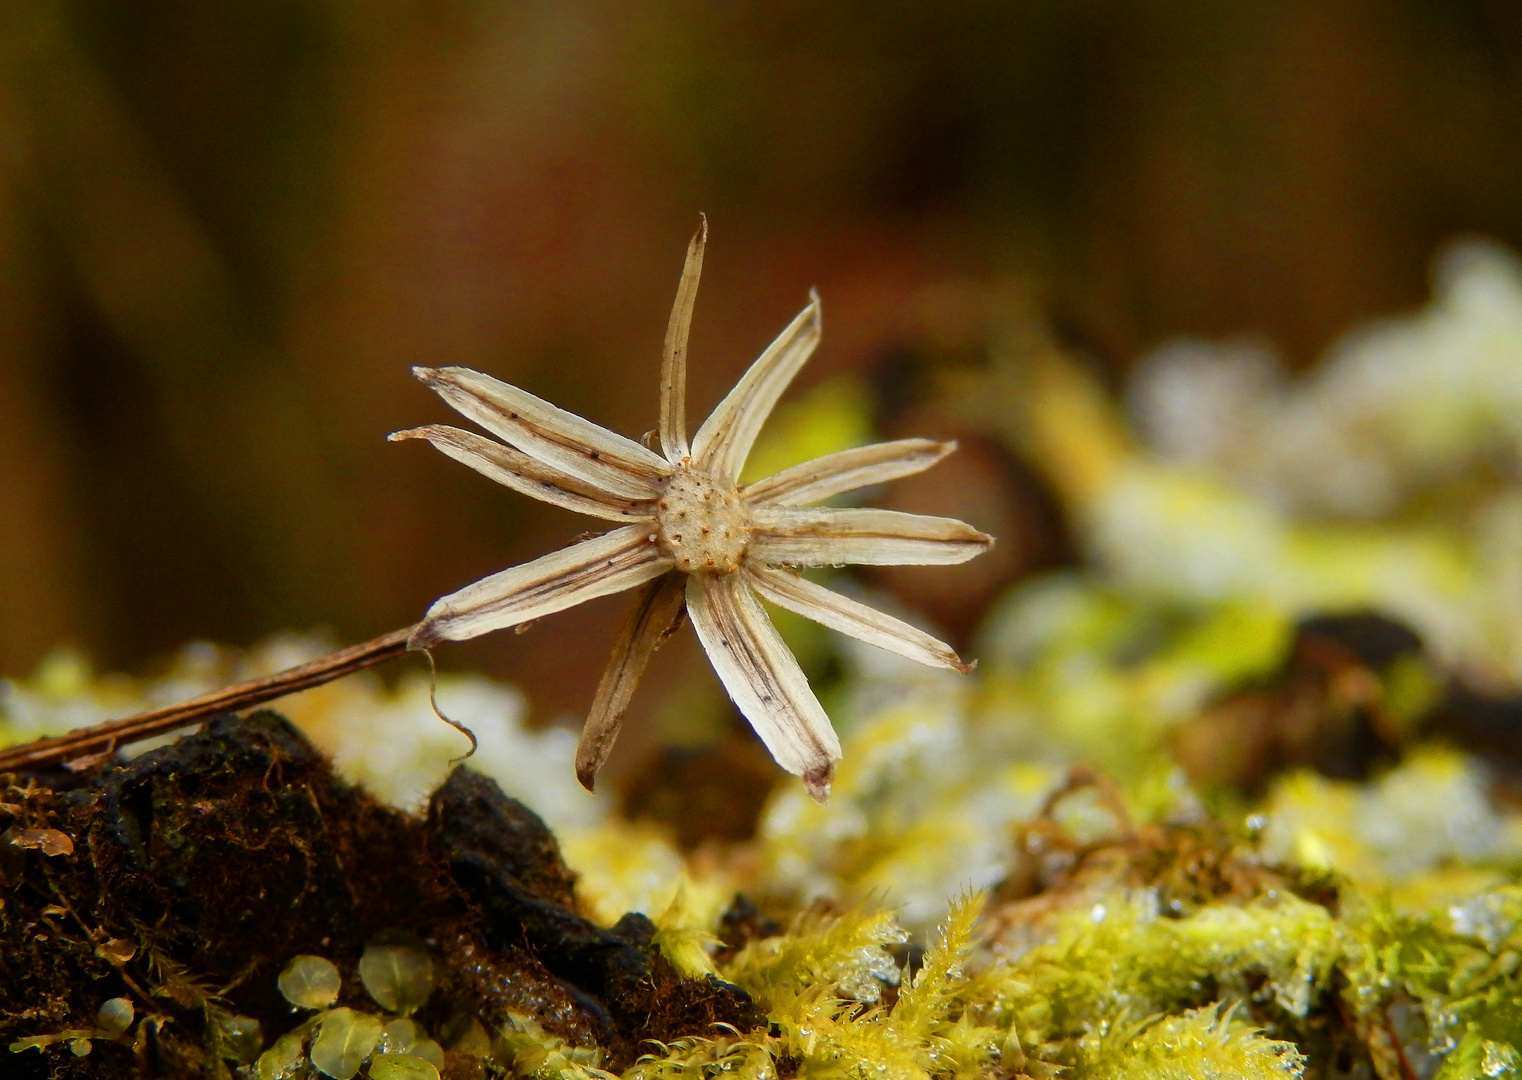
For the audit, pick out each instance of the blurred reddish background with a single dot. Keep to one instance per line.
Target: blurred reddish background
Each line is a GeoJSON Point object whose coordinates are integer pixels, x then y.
{"type": "Point", "coordinates": [227, 229]}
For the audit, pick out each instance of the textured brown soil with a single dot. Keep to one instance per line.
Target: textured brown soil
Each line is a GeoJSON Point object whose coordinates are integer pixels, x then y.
{"type": "Point", "coordinates": [213, 861]}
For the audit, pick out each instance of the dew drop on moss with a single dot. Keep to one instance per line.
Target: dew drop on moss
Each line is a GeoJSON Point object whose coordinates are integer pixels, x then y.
{"type": "Point", "coordinates": [1499, 1060]}
{"type": "Point", "coordinates": [344, 1041]}
{"type": "Point", "coordinates": [309, 982]}
{"type": "Point", "coordinates": [404, 1036]}
{"type": "Point", "coordinates": [401, 1067]}
{"type": "Point", "coordinates": [397, 972]}
{"type": "Point", "coordinates": [114, 1017]}
{"type": "Point", "coordinates": [397, 1036]}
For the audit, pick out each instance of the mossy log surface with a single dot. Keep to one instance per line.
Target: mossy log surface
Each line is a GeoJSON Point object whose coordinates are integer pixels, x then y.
{"type": "Point", "coordinates": [199, 870]}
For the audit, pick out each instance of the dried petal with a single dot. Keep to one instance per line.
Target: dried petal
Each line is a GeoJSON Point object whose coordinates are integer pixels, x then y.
{"type": "Point", "coordinates": [558, 438]}
{"type": "Point", "coordinates": [116, 950]}
{"type": "Point", "coordinates": [514, 469]}
{"type": "Point", "coordinates": [763, 678]}
{"type": "Point", "coordinates": [724, 441]}
{"type": "Point", "coordinates": [829, 537]}
{"type": "Point", "coordinates": [845, 471]}
{"type": "Point", "coordinates": [47, 841]}
{"type": "Point", "coordinates": [609, 563]}
{"type": "Point", "coordinates": [674, 356]}
{"type": "Point", "coordinates": [841, 613]}
{"type": "Point", "coordinates": [658, 604]}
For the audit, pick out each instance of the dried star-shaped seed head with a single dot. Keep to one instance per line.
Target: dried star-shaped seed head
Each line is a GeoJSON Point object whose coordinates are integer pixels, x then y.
{"type": "Point", "coordinates": [692, 537]}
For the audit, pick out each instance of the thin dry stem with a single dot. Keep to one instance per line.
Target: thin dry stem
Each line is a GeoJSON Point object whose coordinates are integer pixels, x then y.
{"type": "Point", "coordinates": [83, 742]}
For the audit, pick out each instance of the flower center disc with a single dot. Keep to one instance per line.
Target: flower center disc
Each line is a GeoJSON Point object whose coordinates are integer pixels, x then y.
{"type": "Point", "coordinates": [702, 527]}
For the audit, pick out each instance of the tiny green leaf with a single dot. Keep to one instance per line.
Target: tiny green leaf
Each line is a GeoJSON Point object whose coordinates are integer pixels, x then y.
{"type": "Point", "coordinates": [397, 972]}
{"type": "Point", "coordinates": [310, 982]}
{"type": "Point", "coordinates": [401, 1067]}
{"type": "Point", "coordinates": [344, 1041]}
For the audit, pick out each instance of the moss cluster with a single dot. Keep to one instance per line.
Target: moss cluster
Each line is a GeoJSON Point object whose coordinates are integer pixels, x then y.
{"type": "Point", "coordinates": [171, 916]}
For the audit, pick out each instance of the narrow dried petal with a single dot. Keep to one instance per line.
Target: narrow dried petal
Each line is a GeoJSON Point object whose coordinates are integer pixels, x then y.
{"type": "Point", "coordinates": [674, 358]}
{"type": "Point", "coordinates": [724, 441]}
{"type": "Point", "coordinates": [657, 606]}
{"type": "Point", "coordinates": [763, 679]}
{"type": "Point", "coordinates": [829, 537]}
{"type": "Point", "coordinates": [846, 471]}
{"type": "Point", "coordinates": [517, 470]}
{"type": "Point", "coordinates": [803, 597]}
{"type": "Point", "coordinates": [609, 563]}
{"type": "Point", "coordinates": [563, 440]}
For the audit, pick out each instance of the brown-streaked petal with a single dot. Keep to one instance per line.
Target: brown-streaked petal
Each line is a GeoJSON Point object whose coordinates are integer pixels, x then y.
{"type": "Point", "coordinates": [674, 356]}
{"type": "Point", "coordinates": [830, 537]}
{"type": "Point", "coordinates": [612, 562]}
{"type": "Point", "coordinates": [841, 613]}
{"type": "Point", "coordinates": [655, 609]}
{"type": "Point", "coordinates": [846, 470]}
{"type": "Point", "coordinates": [517, 470]}
{"type": "Point", "coordinates": [763, 679]}
{"type": "Point", "coordinates": [563, 440]}
{"type": "Point", "coordinates": [723, 442]}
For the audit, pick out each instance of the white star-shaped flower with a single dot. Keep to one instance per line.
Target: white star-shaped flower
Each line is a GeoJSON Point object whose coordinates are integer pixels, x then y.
{"type": "Point", "coordinates": [690, 536]}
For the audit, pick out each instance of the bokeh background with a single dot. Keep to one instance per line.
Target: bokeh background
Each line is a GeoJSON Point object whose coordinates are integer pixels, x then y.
{"type": "Point", "coordinates": [227, 229]}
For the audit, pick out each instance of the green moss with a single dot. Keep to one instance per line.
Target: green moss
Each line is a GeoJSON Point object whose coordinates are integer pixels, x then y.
{"type": "Point", "coordinates": [1479, 1058]}
{"type": "Point", "coordinates": [823, 955]}
{"type": "Point", "coordinates": [683, 938]}
{"type": "Point", "coordinates": [1119, 962]}
{"type": "Point", "coordinates": [524, 1047]}
{"type": "Point", "coordinates": [1200, 1043]}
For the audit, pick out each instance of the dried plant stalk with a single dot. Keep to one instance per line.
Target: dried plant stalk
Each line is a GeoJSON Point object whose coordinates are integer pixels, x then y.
{"type": "Point", "coordinates": [83, 742]}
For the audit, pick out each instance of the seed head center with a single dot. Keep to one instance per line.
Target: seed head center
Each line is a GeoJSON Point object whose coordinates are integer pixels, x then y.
{"type": "Point", "coordinates": [701, 525]}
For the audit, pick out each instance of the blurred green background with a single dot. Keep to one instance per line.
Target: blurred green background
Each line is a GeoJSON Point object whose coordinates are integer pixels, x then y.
{"type": "Point", "coordinates": [227, 229]}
